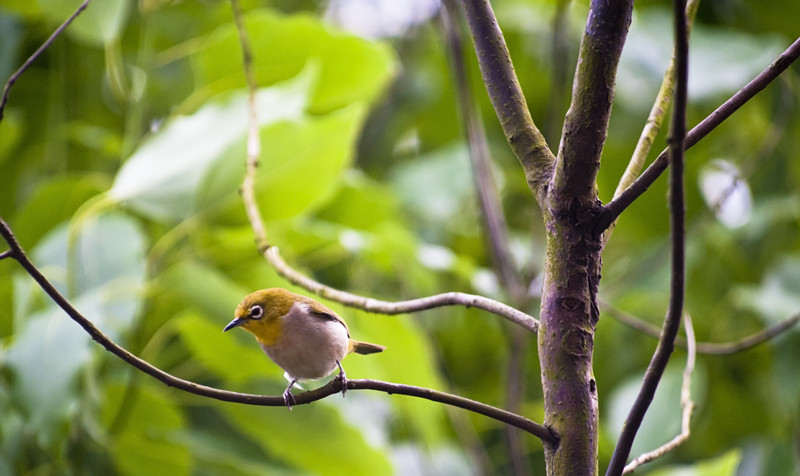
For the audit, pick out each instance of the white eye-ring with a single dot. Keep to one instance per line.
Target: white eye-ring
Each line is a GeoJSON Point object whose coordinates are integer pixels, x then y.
{"type": "Point", "coordinates": [256, 312]}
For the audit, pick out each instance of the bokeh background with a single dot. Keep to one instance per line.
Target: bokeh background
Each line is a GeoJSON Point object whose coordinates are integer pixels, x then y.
{"type": "Point", "coordinates": [121, 152]}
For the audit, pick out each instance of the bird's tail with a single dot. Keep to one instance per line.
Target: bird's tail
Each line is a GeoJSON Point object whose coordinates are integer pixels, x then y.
{"type": "Point", "coordinates": [364, 347]}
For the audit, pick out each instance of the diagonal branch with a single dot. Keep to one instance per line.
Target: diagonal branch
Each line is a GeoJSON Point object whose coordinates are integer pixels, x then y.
{"type": "Point", "coordinates": [586, 123]}
{"type": "Point", "coordinates": [505, 92]}
{"type": "Point", "coordinates": [677, 206]}
{"type": "Point", "coordinates": [15, 76]}
{"type": "Point", "coordinates": [687, 406]}
{"type": "Point", "coordinates": [18, 254]}
{"type": "Point", "coordinates": [615, 207]}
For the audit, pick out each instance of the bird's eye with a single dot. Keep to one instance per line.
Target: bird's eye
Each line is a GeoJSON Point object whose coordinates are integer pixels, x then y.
{"type": "Point", "coordinates": [256, 312]}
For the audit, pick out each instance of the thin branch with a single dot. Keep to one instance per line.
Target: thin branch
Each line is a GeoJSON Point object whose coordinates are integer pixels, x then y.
{"type": "Point", "coordinates": [331, 388]}
{"type": "Point", "coordinates": [615, 207]}
{"type": "Point", "coordinates": [401, 307]}
{"type": "Point", "coordinates": [678, 239]}
{"type": "Point", "coordinates": [709, 348]}
{"type": "Point", "coordinates": [687, 406]}
{"type": "Point", "coordinates": [509, 103]}
{"type": "Point", "coordinates": [655, 118]}
{"type": "Point", "coordinates": [586, 123]}
{"type": "Point", "coordinates": [14, 77]}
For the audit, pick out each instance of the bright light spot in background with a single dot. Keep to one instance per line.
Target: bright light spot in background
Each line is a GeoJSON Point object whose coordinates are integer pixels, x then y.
{"type": "Point", "coordinates": [380, 18]}
{"type": "Point", "coordinates": [436, 257]}
{"type": "Point", "coordinates": [726, 193]}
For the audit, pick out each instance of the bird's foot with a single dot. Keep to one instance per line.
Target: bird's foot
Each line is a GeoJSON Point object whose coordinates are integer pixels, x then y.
{"type": "Point", "coordinates": [288, 397]}
{"type": "Point", "coordinates": [342, 378]}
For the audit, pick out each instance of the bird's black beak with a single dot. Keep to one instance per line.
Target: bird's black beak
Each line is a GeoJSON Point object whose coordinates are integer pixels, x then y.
{"type": "Point", "coordinates": [234, 323]}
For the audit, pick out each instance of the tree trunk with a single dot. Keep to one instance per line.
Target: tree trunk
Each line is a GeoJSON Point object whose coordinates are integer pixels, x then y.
{"type": "Point", "coordinates": [569, 314]}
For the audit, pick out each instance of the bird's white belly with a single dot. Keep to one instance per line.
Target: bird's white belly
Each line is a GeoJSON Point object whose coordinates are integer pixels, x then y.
{"type": "Point", "coordinates": [309, 347]}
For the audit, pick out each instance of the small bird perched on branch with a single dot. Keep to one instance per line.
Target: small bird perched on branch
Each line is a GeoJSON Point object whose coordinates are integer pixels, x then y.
{"type": "Point", "coordinates": [305, 338]}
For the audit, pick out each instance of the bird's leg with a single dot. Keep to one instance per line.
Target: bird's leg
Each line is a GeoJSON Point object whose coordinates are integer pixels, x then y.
{"type": "Point", "coordinates": [342, 377]}
{"type": "Point", "coordinates": [288, 398]}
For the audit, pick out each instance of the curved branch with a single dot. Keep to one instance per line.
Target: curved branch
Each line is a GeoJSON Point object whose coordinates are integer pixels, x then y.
{"type": "Point", "coordinates": [708, 348]}
{"type": "Point", "coordinates": [335, 386]}
{"type": "Point", "coordinates": [677, 209]}
{"type": "Point", "coordinates": [400, 307]}
{"type": "Point", "coordinates": [15, 76]}
{"type": "Point", "coordinates": [616, 206]}
{"type": "Point", "coordinates": [509, 103]}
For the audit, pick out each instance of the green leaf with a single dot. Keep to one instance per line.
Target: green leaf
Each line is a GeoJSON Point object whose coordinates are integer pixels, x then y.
{"type": "Point", "coordinates": [352, 69]}
{"type": "Point", "coordinates": [360, 203]}
{"type": "Point", "coordinates": [164, 178]}
{"type": "Point", "coordinates": [723, 465]}
{"type": "Point", "coordinates": [301, 161]}
{"type": "Point", "coordinates": [313, 438]}
{"type": "Point", "coordinates": [148, 443]}
{"type": "Point", "coordinates": [234, 358]}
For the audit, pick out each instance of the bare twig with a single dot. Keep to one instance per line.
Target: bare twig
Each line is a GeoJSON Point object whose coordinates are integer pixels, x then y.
{"type": "Point", "coordinates": [15, 76]}
{"type": "Point", "coordinates": [17, 253]}
{"type": "Point", "coordinates": [677, 203]}
{"type": "Point", "coordinates": [505, 92]}
{"type": "Point", "coordinates": [401, 307]}
{"type": "Point", "coordinates": [709, 348]}
{"type": "Point", "coordinates": [655, 118]}
{"type": "Point", "coordinates": [687, 406]}
{"type": "Point", "coordinates": [615, 207]}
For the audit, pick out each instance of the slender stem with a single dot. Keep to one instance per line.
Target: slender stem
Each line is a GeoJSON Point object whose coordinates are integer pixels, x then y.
{"type": "Point", "coordinates": [15, 76]}
{"type": "Point", "coordinates": [615, 207]}
{"type": "Point", "coordinates": [677, 204]}
{"type": "Point", "coordinates": [505, 92]}
{"type": "Point", "coordinates": [401, 307]}
{"type": "Point", "coordinates": [708, 348]}
{"type": "Point", "coordinates": [687, 406]}
{"type": "Point", "coordinates": [335, 386]}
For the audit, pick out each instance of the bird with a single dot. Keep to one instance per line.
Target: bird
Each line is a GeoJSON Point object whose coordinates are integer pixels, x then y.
{"type": "Point", "coordinates": [303, 337]}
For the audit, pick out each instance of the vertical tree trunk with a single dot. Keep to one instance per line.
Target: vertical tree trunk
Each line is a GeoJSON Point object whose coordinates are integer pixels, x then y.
{"type": "Point", "coordinates": [569, 314]}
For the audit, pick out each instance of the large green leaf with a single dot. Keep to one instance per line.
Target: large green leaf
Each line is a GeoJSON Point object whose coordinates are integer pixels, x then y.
{"type": "Point", "coordinates": [164, 178]}
{"type": "Point", "coordinates": [352, 69]}
{"type": "Point", "coordinates": [301, 161]}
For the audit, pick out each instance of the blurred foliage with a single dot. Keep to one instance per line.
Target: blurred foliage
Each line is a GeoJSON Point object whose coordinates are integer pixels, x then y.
{"type": "Point", "coordinates": [122, 150]}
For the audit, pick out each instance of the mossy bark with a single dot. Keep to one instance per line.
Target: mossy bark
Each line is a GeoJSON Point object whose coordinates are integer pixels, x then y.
{"type": "Point", "coordinates": [569, 314]}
